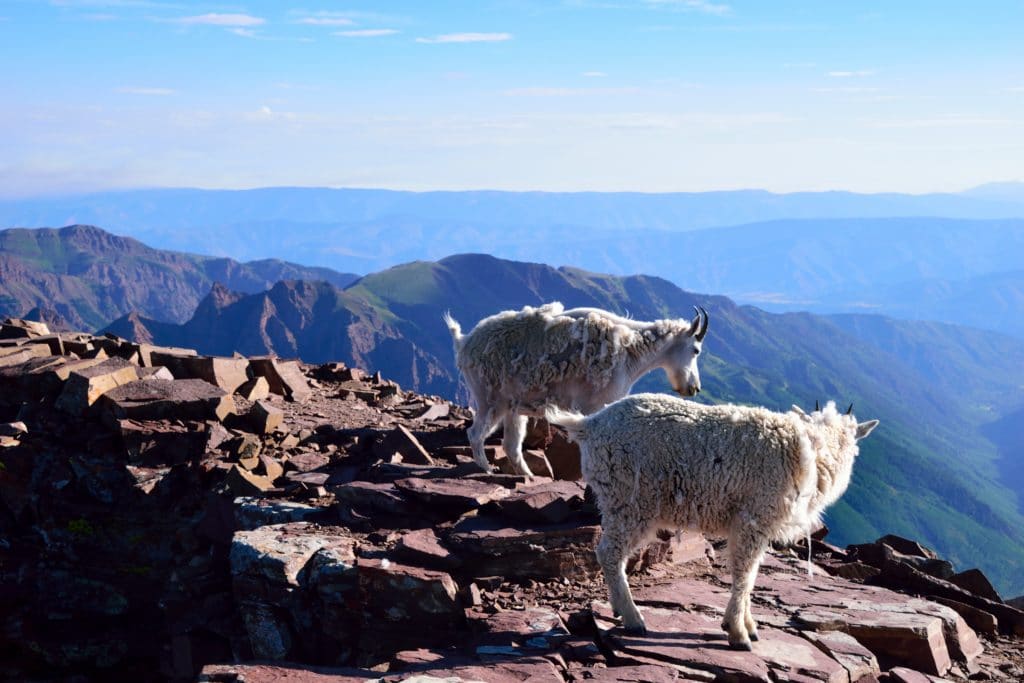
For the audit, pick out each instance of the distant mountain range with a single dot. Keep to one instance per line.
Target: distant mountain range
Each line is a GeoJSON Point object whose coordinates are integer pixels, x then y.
{"type": "Point", "coordinates": [88, 277]}
{"type": "Point", "coordinates": [913, 256]}
{"type": "Point", "coordinates": [943, 468]}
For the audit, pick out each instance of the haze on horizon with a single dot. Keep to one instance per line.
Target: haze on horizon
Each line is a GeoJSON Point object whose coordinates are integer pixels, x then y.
{"type": "Point", "coordinates": [601, 95]}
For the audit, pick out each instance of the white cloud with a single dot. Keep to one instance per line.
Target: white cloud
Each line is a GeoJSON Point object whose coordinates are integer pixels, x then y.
{"type": "Point", "coordinates": [567, 92]}
{"type": "Point", "coordinates": [214, 19]}
{"type": "Point", "coordinates": [847, 89]}
{"type": "Point", "coordinates": [850, 74]}
{"type": "Point", "coordinates": [244, 32]}
{"type": "Point", "coordinates": [716, 8]}
{"type": "Point", "coordinates": [366, 33]}
{"type": "Point", "coordinates": [467, 38]}
{"type": "Point", "coordinates": [326, 21]}
{"type": "Point", "coordinates": [594, 74]}
{"type": "Point", "coordinates": [162, 92]}
{"type": "Point", "coordinates": [1015, 88]}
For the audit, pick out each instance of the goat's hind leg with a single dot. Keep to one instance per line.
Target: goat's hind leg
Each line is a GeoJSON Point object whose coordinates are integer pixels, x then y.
{"type": "Point", "coordinates": [485, 421]}
{"type": "Point", "coordinates": [616, 545]}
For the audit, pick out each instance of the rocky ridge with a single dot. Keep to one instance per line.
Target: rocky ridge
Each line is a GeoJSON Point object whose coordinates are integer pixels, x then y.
{"type": "Point", "coordinates": [169, 515]}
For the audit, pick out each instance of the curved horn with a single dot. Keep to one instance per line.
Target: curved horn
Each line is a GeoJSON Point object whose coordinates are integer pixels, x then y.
{"type": "Point", "coordinates": [704, 328]}
{"type": "Point", "coordinates": [849, 411]}
{"type": "Point", "coordinates": [816, 407]}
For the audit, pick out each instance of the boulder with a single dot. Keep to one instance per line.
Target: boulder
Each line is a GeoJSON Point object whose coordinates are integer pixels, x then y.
{"type": "Point", "coordinates": [859, 662]}
{"type": "Point", "coordinates": [407, 598]}
{"type": "Point", "coordinates": [227, 373]}
{"type": "Point", "coordinates": [284, 377]}
{"type": "Point", "coordinates": [85, 385]}
{"type": "Point", "coordinates": [975, 581]}
{"type": "Point", "coordinates": [423, 548]}
{"type": "Point", "coordinates": [265, 418]}
{"type": "Point", "coordinates": [255, 389]}
{"type": "Point", "coordinates": [15, 328]}
{"type": "Point", "coordinates": [156, 399]}
{"type": "Point", "coordinates": [400, 440]}
{"type": "Point", "coordinates": [160, 442]}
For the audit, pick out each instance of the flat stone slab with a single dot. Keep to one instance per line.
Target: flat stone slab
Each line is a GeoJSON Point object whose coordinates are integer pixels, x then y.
{"type": "Point", "coordinates": [697, 641]}
{"type": "Point", "coordinates": [899, 629]}
{"type": "Point", "coordinates": [283, 673]}
{"type": "Point", "coordinates": [284, 377]}
{"type": "Point", "coordinates": [278, 553]}
{"type": "Point", "coordinates": [405, 595]}
{"type": "Point", "coordinates": [464, 494]}
{"type": "Point", "coordinates": [156, 399]}
{"type": "Point", "coordinates": [85, 385]}
{"type": "Point", "coordinates": [548, 502]}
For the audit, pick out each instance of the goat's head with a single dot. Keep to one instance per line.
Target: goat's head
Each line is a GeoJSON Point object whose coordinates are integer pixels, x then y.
{"type": "Point", "coordinates": [681, 360]}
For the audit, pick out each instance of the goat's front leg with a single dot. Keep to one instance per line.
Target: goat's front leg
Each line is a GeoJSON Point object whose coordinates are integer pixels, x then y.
{"type": "Point", "coordinates": [515, 432]}
{"type": "Point", "coordinates": [485, 421]}
{"type": "Point", "coordinates": [746, 548]}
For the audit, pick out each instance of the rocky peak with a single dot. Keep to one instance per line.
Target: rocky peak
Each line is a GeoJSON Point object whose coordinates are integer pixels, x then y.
{"type": "Point", "coordinates": [253, 519]}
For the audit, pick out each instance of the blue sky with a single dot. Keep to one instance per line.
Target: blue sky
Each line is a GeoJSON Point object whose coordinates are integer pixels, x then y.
{"type": "Point", "coordinates": [647, 95]}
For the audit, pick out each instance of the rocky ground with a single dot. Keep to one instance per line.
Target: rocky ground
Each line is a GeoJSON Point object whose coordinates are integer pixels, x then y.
{"type": "Point", "coordinates": [165, 516]}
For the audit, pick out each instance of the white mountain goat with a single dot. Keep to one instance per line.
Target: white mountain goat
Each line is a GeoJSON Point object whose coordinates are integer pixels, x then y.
{"type": "Point", "coordinates": [657, 462]}
{"type": "Point", "coordinates": [517, 362]}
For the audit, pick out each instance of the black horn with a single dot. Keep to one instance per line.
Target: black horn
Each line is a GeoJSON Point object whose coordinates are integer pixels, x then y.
{"type": "Point", "coordinates": [816, 407]}
{"type": "Point", "coordinates": [704, 325]}
{"type": "Point", "coordinates": [849, 411]}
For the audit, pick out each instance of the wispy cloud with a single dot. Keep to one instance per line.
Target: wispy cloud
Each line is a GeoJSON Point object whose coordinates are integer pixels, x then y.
{"type": "Point", "coordinates": [947, 122]}
{"type": "Point", "coordinates": [704, 6]}
{"type": "Point", "coordinates": [161, 92]}
{"type": "Point", "coordinates": [325, 21]}
{"type": "Point", "coordinates": [567, 92]}
{"type": "Point", "coordinates": [467, 38]}
{"type": "Point", "coordinates": [847, 89]}
{"type": "Point", "coordinates": [215, 19]}
{"type": "Point", "coordinates": [1014, 88]}
{"type": "Point", "coordinates": [594, 74]}
{"type": "Point", "coordinates": [366, 33]}
{"type": "Point", "coordinates": [851, 74]}
{"type": "Point", "coordinates": [244, 32]}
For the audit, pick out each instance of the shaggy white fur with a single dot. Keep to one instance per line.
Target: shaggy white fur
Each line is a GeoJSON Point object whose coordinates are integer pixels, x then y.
{"type": "Point", "coordinates": [517, 362]}
{"type": "Point", "coordinates": [658, 462]}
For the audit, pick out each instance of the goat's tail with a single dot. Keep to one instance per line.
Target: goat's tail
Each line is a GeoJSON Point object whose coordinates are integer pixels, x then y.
{"type": "Point", "coordinates": [569, 420]}
{"type": "Point", "coordinates": [454, 328]}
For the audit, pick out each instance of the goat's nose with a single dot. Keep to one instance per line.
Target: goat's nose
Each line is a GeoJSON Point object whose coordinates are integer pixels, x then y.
{"type": "Point", "coordinates": [696, 390]}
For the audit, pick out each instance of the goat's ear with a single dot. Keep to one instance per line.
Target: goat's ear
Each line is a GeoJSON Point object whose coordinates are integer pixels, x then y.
{"type": "Point", "coordinates": [865, 428]}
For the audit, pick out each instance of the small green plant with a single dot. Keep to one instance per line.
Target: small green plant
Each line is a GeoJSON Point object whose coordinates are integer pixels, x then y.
{"type": "Point", "coordinates": [80, 527]}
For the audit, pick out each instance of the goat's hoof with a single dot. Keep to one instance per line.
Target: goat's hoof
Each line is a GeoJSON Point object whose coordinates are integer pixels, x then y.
{"type": "Point", "coordinates": [639, 630]}
{"type": "Point", "coordinates": [741, 645]}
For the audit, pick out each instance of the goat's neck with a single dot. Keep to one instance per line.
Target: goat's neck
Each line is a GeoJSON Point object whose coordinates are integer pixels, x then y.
{"type": "Point", "coordinates": [648, 352]}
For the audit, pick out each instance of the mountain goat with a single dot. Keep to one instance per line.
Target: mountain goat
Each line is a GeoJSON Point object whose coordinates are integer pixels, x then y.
{"type": "Point", "coordinates": [655, 461]}
{"type": "Point", "coordinates": [516, 362]}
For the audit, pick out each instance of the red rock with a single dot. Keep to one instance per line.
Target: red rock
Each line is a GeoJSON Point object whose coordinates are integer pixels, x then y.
{"type": "Point", "coordinates": [265, 418]}
{"type": "Point", "coordinates": [697, 641]}
{"type": "Point", "coordinates": [367, 497]}
{"type": "Point", "coordinates": [86, 385]}
{"type": "Point", "coordinates": [400, 440]}
{"type": "Point", "coordinates": [564, 457]}
{"type": "Point", "coordinates": [902, 674]}
{"type": "Point", "coordinates": [255, 389]}
{"type": "Point", "coordinates": [977, 619]}
{"type": "Point", "coordinates": [242, 482]}
{"type": "Point", "coordinates": [422, 547]}
{"type": "Point", "coordinates": [536, 629]}
{"type": "Point", "coordinates": [641, 673]}
{"type": "Point", "coordinates": [549, 502]}
{"type": "Point", "coordinates": [15, 328]}
{"type": "Point", "coordinates": [284, 377]}
{"type": "Point", "coordinates": [899, 575]}
{"type": "Point", "coordinates": [859, 662]}
{"type": "Point", "coordinates": [853, 571]}
{"type": "Point", "coordinates": [491, 547]}
{"type": "Point", "coordinates": [307, 462]}
{"type": "Point", "coordinates": [974, 581]}
{"type": "Point", "coordinates": [463, 494]}
{"type": "Point", "coordinates": [226, 373]}
{"type": "Point", "coordinates": [189, 399]}
{"type": "Point", "coordinates": [403, 595]}
{"type": "Point", "coordinates": [155, 443]}
{"type": "Point", "coordinates": [907, 547]}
